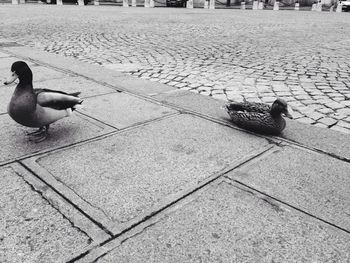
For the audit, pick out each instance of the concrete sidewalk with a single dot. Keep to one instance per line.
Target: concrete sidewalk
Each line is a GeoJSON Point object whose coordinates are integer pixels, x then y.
{"type": "Point", "coordinates": [148, 173]}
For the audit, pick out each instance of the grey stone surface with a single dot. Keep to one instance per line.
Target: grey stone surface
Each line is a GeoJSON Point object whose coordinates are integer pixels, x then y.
{"type": "Point", "coordinates": [122, 110]}
{"type": "Point", "coordinates": [40, 73]}
{"type": "Point", "coordinates": [315, 183]}
{"type": "Point", "coordinates": [31, 230]}
{"type": "Point", "coordinates": [6, 63]}
{"type": "Point", "coordinates": [195, 102]}
{"type": "Point", "coordinates": [229, 223]}
{"type": "Point", "coordinates": [5, 97]}
{"type": "Point", "coordinates": [4, 55]}
{"type": "Point", "coordinates": [96, 72]}
{"type": "Point", "coordinates": [142, 86]}
{"type": "Point", "coordinates": [16, 144]}
{"type": "Point", "coordinates": [149, 164]}
{"type": "Point", "coordinates": [323, 139]}
{"type": "Point", "coordinates": [87, 88]}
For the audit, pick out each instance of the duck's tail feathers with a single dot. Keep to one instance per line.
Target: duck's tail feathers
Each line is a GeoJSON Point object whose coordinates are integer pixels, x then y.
{"type": "Point", "coordinates": [75, 94]}
{"type": "Point", "coordinates": [234, 106]}
{"type": "Point", "coordinates": [78, 106]}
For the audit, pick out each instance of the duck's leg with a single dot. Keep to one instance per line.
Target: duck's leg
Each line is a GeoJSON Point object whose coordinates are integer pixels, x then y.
{"type": "Point", "coordinates": [40, 135]}
{"type": "Point", "coordinates": [35, 132]}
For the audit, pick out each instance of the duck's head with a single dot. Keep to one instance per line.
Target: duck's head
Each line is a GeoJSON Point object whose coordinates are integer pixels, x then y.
{"type": "Point", "coordinates": [280, 107]}
{"type": "Point", "coordinates": [20, 70]}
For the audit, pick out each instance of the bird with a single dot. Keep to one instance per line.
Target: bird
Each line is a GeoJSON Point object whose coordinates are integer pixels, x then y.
{"type": "Point", "coordinates": [37, 108]}
{"type": "Point", "coordinates": [259, 117]}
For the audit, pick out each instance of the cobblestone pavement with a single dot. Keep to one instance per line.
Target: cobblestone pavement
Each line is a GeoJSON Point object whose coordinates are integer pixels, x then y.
{"type": "Point", "coordinates": [302, 57]}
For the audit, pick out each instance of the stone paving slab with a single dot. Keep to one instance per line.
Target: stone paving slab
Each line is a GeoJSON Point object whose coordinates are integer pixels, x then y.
{"type": "Point", "coordinates": [148, 166]}
{"type": "Point", "coordinates": [5, 97]}
{"type": "Point", "coordinates": [4, 55]}
{"type": "Point", "coordinates": [324, 139]}
{"type": "Point", "coordinates": [230, 223]}
{"type": "Point", "coordinates": [15, 143]}
{"type": "Point", "coordinates": [194, 102]}
{"type": "Point", "coordinates": [122, 110]}
{"type": "Point", "coordinates": [6, 63]}
{"type": "Point", "coordinates": [315, 183]}
{"type": "Point", "coordinates": [40, 73]}
{"type": "Point", "coordinates": [32, 230]}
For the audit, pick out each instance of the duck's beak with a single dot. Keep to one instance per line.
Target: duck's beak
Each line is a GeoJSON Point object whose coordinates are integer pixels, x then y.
{"type": "Point", "coordinates": [11, 79]}
{"type": "Point", "coordinates": [287, 114]}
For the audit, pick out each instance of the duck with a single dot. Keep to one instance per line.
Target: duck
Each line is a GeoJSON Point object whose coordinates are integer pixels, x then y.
{"type": "Point", "coordinates": [37, 108]}
{"type": "Point", "coordinates": [259, 117]}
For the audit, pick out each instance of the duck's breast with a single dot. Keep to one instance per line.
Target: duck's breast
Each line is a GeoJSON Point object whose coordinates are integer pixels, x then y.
{"type": "Point", "coordinates": [21, 106]}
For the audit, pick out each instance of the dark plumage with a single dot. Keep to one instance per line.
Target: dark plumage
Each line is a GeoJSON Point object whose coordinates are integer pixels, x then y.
{"type": "Point", "coordinates": [259, 117]}
{"type": "Point", "coordinates": [37, 107]}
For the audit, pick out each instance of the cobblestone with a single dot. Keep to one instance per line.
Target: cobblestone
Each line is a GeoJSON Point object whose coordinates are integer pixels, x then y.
{"type": "Point", "coordinates": [227, 54]}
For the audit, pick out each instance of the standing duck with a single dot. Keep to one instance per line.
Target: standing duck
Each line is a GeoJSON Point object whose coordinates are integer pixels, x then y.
{"type": "Point", "coordinates": [259, 117]}
{"type": "Point", "coordinates": [37, 108]}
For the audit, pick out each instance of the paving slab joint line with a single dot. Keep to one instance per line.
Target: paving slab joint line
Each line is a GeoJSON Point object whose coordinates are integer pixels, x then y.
{"type": "Point", "coordinates": [96, 138]}
{"type": "Point", "coordinates": [50, 203]}
{"type": "Point", "coordinates": [217, 176]}
{"type": "Point", "coordinates": [317, 150]}
{"type": "Point", "coordinates": [66, 199]}
{"type": "Point", "coordinates": [254, 191]}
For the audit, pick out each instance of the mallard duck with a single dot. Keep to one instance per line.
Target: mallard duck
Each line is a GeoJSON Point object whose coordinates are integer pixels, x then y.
{"type": "Point", "coordinates": [259, 117]}
{"type": "Point", "coordinates": [37, 108]}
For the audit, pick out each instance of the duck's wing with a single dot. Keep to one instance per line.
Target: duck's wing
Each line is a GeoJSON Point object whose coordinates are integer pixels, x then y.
{"type": "Point", "coordinates": [248, 107]}
{"type": "Point", "coordinates": [258, 122]}
{"type": "Point", "coordinates": [56, 99]}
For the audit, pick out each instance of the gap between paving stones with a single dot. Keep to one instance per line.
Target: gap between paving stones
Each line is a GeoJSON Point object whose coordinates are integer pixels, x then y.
{"type": "Point", "coordinates": [287, 204]}
{"type": "Point", "coordinates": [152, 219]}
{"type": "Point", "coordinates": [45, 176]}
{"type": "Point", "coordinates": [98, 252]}
{"type": "Point", "coordinates": [73, 216]}
{"type": "Point", "coordinates": [157, 213]}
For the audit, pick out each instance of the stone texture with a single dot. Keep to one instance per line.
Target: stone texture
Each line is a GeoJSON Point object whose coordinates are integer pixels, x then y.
{"type": "Point", "coordinates": [315, 183]}
{"type": "Point", "coordinates": [314, 137]}
{"type": "Point", "coordinates": [149, 164]}
{"type": "Point", "coordinates": [5, 97]}
{"type": "Point", "coordinates": [16, 144]}
{"type": "Point", "coordinates": [87, 88]}
{"type": "Point", "coordinates": [6, 63]}
{"type": "Point", "coordinates": [195, 102]}
{"type": "Point", "coordinates": [122, 110]}
{"type": "Point", "coordinates": [229, 223]}
{"type": "Point", "coordinates": [31, 230]}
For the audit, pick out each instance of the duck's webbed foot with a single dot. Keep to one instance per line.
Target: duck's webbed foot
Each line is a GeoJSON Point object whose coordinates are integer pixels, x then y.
{"type": "Point", "coordinates": [39, 135]}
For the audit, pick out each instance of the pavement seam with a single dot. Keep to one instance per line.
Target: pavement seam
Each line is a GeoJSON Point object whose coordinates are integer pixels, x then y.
{"type": "Point", "coordinates": [34, 183]}
{"type": "Point", "coordinates": [95, 138]}
{"type": "Point", "coordinates": [67, 200]}
{"type": "Point", "coordinates": [158, 212]}
{"type": "Point", "coordinates": [287, 204]}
